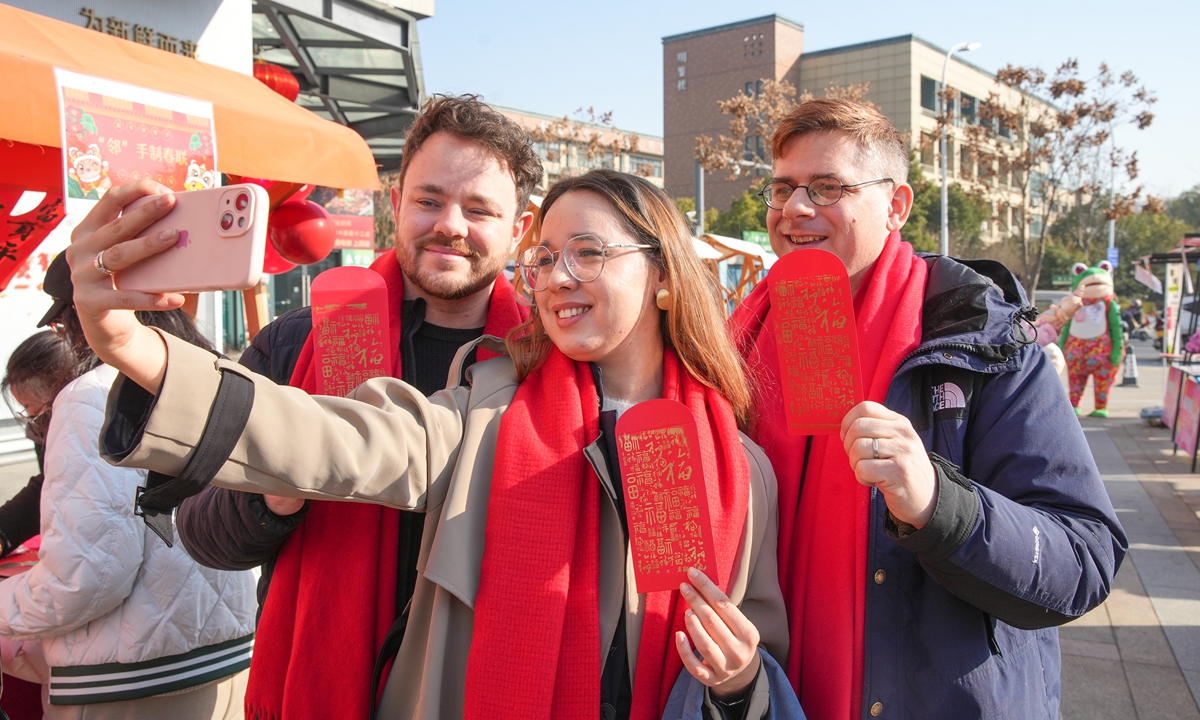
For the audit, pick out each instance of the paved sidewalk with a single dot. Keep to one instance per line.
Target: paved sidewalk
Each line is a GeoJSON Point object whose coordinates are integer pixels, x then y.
{"type": "Point", "coordinates": [1138, 655]}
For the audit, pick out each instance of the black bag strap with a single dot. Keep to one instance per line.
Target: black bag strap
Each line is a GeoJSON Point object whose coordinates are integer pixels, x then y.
{"type": "Point", "coordinates": [391, 646]}
{"type": "Point", "coordinates": [227, 419]}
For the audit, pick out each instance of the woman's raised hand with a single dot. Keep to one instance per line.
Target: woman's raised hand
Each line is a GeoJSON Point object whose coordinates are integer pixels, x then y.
{"type": "Point", "coordinates": [106, 313]}
{"type": "Point", "coordinates": [726, 640]}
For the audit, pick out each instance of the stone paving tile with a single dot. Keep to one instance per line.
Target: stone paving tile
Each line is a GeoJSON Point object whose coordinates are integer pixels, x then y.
{"type": "Point", "coordinates": [1180, 619]}
{"type": "Point", "coordinates": [1095, 689]}
{"type": "Point", "coordinates": [1154, 609]}
{"type": "Point", "coordinates": [1085, 648]}
{"type": "Point", "coordinates": [1160, 692]}
{"type": "Point", "coordinates": [1135, 625]}
{"type": "Point", "coordinates": [1094, 627]}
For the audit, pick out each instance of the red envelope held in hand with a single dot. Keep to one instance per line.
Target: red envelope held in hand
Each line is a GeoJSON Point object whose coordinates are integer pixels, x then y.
{"type": "Point", "coordinates": [666, 505]}
{"type": "Point", "coordinates": [813, 313]}
{"type": "Point", "coordinates": [350, 329]}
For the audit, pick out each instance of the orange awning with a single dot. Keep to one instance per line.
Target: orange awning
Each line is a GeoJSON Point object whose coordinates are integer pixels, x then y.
{"type": "Point", "coordinates": [259, 133]}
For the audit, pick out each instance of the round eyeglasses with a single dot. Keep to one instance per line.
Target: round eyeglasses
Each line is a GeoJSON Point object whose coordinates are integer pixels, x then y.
{"type": "Point", "coordinates": [822, 191]}
{"type": "Point", "coordinates": [584, 256]}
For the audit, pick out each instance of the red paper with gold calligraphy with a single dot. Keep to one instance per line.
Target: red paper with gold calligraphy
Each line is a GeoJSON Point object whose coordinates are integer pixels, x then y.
{"type": "Point", "coordinates": [350, 329]}
{"type": "Point", "coordinates": [665, 500]}
{"type": "Point", "coordinates": [35, 169]}
{"type": "Point", "coordinates": [813, 314]}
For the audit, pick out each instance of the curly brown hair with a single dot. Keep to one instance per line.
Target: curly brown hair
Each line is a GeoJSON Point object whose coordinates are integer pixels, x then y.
{"type": "Point", "coordinates": [469, 118]}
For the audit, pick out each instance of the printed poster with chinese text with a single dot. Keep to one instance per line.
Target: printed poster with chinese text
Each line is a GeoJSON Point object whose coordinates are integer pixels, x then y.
{"type": "Point", "coordinates": [353, 216]}
{"type": "Point", "coordinates": [114, 133]}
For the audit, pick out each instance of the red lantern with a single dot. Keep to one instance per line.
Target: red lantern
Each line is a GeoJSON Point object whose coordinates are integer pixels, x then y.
{"type": "Point", "coordinates": [278, 79]}
{"type": "Point", "coordinates": [301, 231]}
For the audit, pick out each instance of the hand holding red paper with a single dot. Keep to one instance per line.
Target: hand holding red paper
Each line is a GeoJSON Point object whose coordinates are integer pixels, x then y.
{"type": "Point", "coordinates": [726, 640]}
{"type": "Point", "coordinates": [885, 452]}
{"type": "Point", "coordinates": [670, 529]}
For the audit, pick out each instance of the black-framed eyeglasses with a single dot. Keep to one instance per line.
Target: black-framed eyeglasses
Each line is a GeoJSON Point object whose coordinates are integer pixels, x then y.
{"type": "Point", "coordinates": [822, 191]}
{"type": "Point", "coordinates": [584, 256]}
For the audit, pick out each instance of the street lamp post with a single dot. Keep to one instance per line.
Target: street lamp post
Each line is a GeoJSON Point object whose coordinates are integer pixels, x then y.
{"type": "Point", "coordinates": [963, 47]}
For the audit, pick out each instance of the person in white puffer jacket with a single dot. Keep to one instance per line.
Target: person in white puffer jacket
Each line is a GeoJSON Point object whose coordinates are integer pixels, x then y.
{"type": "Point", "coordinates": [128, 627]}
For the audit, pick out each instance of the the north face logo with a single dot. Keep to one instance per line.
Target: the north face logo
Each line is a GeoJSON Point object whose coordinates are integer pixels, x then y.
{"type": "Point", "coordinates": [948, 396]}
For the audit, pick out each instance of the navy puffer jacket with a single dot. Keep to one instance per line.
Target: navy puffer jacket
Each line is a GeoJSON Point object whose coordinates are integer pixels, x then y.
{"type": "Point", "coordinates": [961, 615]}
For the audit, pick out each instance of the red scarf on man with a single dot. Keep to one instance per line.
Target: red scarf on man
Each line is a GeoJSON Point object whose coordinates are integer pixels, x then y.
{"type": "Point", "coordinates": [535, 651]}
{"type": "Point", "coordinates": [333, 594]}
{"type": "Point", "coordinates": [823, 533]}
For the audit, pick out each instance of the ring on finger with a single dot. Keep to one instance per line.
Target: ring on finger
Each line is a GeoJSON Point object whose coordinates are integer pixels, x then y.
{"type": "Point", "coordinates": [98, 261]}
{"type": "Point", "coordinates": [875, 448]}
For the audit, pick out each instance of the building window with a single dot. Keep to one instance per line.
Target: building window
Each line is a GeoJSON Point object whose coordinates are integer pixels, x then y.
{"type": "Point", "coordinates": [1035, 226]}
{"type": "Point", "coordinates": [928, 145]}
{"type": "Point", "coordinates": [548, 152]}
{"type": "Point", "coordinates": [646, 167]}
{"type": "Point", "coordinates": [682, 84]}
{"type": "Point", "coordinates": [966, 106]}
{"type": "Point", "coordinates": [929, 93]}
{"type": "Point", "coordinates": [681, 57]}
{"type": "Point", "coordinates": [758, 147]}
{"type": "Point", "coordinates": [758, 88]}
{"type": "Point", "coordinates": [749, 89]}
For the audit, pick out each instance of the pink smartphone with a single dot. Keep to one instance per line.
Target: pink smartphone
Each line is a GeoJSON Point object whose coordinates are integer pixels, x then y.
{"type": "Point", "coordinates": [222, 238]}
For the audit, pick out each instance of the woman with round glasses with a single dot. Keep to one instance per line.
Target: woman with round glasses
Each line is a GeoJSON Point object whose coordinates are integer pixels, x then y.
{"type": "Point", "coordinates": [526, 606]}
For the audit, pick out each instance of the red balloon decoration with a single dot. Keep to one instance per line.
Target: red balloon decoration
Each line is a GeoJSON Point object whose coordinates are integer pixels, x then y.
{"type": "Point", "coordinates": [273, 262]}
{"type": "Point", "coordinates": [278, 79]}
{"type": "Point", "coordinates": [301, 231]}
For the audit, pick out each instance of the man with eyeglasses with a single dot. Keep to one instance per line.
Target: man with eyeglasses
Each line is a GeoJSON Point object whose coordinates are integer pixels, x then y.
{"type": "Point", "coordinates": [929, 550]}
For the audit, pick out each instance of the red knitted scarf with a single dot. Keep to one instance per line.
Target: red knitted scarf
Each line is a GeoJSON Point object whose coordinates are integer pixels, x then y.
{"type": "Point", "coordinates": [535, 651]}
{"type": "Point", "coordinates": [823, 532]}
{"type": "Point", "coordinates": [333, 594]}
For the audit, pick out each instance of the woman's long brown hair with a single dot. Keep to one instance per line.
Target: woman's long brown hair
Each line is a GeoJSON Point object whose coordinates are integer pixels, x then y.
{"type": "Point", "coordinates": [693, 324]}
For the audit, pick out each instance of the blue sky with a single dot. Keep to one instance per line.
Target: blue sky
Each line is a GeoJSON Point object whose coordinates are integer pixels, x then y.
{"type": "Point", "coordinates": [556, 57]}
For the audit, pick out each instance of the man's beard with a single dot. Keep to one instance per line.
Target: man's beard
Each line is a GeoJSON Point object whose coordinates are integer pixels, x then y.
{"type": "Point", "coordinates": [446, 285]}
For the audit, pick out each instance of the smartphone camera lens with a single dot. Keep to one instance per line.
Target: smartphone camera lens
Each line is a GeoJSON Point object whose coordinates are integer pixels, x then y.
{"type": "Point", "coordinates": [241, 222]}
{"type": "Point", "coordinates": [243, 201]}
{"type": "Point", "coordinates": [227, 221]}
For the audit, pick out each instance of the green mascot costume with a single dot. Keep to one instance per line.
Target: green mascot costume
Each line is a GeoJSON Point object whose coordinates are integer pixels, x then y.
{"type": "Point", "coordinates": [1093, 340]}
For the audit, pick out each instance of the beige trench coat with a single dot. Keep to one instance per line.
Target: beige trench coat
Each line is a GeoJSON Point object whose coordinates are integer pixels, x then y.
{"type": "Point", "coordinates": [389, 444]}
